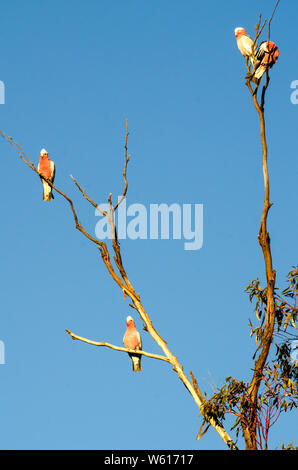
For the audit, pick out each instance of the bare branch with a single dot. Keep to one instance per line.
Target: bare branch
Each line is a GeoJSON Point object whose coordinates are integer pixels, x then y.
{"type": "Point", "coordinates": [117, 348]}
{"type": "Point", "coordinates": [87, 197]}
{"type": "Point", "coordinates": [126, 160]}
{"type": "Point", "coordinates": [20, 151]}
{"type": "Point", "coordinates": [28, 162]}
{"type": "Point", "coordinates": [258, 31]}
{"type": "Point", "coordinates": [269, 24]}
{"type": "Point", "coordinates": [127, 288]}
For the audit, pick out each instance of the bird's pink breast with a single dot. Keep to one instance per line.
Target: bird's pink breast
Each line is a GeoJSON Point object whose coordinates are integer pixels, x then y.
{"type": "Point", "coordinates": [131, 340]}
{"type": "Point", "coordinates": [45, 167]}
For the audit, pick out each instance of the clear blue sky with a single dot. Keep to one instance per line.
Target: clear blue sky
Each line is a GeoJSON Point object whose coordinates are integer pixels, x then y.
{"type": "Point", "coordinates": [73, 72]}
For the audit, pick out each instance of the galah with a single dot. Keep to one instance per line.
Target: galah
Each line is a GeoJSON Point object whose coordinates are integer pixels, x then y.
{"type": "Point", "coordinates": [47, 169]}
{"type": "Point", "coordinates": [245, 43]}
{"type": "Point", "coordinates": [132, 340]}
{"type": "Point", "coordinates": [266, 57]}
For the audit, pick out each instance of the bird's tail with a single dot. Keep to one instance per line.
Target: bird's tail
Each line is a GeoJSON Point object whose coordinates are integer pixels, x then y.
{"type": "Point", "coordinates": [256, 80]}
{"type": "Point", "coordinates": [136, 363]}
{"type": "Point", "coordinates": [47, 192]}
{"type": "Point", "coordinates": [259, 74]}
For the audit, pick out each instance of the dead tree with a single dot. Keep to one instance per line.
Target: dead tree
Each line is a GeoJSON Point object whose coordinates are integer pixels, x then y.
{"type": "Point", "coordinates": [113, 262]}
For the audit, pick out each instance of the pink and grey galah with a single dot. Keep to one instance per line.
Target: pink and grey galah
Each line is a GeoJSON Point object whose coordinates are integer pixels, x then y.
{"type": "Point", "coordinates": [47, 169]}
{"type": "Point", "coordinates": [245, 44]}
{"type": "Point", "coordinates": [266, 57]}
{"type": "Point", "coordinates": [132, 340]}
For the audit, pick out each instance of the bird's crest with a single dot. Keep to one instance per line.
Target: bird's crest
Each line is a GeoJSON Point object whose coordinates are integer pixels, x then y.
{"type": "Point", "coordinates": [238, 29]}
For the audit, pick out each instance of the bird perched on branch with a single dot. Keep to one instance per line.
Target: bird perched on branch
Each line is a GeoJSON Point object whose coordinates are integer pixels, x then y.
{"type": "Point", "coordinates": [245, 44]}
{"type": "Point", "coordinates": [132, 340]}
{"type": "Point", "coordinates": [47, 169]}
{"type": "Point", "coordinates": [266, 57]}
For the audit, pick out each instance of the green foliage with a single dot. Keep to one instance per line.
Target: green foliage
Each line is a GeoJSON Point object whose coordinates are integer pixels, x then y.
{"type": "Point", "coordinates": [289, 446]}
{"type": "Point", "coordinates": [279, 388]}
{"type": "Point", "coordinates": [286, 310]}
{"type": "Point", "coordinates": [260, 296]}
{"type": "Point", "coordinates": [291, 293]}
{"type": "Point", "coordinates": [228, 399]}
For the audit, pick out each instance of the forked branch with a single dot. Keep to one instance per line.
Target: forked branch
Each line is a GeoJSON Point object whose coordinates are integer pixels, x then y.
{"type": "Point", "coordinates": [126, 287]}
